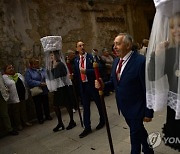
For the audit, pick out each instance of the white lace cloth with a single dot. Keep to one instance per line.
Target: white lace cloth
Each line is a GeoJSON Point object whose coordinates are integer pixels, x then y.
{"type": "Point", "coordinates": [162, 87]}
{"type": "Point", "coordinates": [158, 100]}
{"type": "Point", "coordinates": [51, 43]}
{"type": "Point", "coordinates": [57, 83]}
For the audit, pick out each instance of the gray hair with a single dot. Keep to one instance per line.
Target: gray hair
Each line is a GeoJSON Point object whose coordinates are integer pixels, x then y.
{"type": "Point", "coordinates": [70, 51]}
{"type": "Point", "coordinates": [104, 49]}
{"type": "Point", "coordinates": [128, 39]}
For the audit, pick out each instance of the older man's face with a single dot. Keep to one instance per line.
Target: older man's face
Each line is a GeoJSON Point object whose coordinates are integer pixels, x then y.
{"type": "Point", "coordinates": [120, 46]}
{"type": "Point", "coordinates": [80, 48]}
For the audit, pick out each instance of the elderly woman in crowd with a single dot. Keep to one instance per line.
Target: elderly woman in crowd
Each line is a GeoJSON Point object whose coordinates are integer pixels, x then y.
{"type": "Point", "coordinates": [17, 96]}
{"type": "Point", "coordinates": [4, 116]}
{"type": "Point", "coordinates": [108, 60]}
{"type": "Point", "coordinates": [35, 77]}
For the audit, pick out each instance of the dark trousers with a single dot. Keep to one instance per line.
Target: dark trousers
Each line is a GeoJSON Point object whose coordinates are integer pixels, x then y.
{"type": "Point", "coordinates": [138, 136]}
{"type": "Point", "coordinates": [4, 117]}
{"type": "Point", "coordinates": [41, 103]}
{"type": "Point", "coordinates": [73, 98]}
{"type": "Point", "coordinates": [89, 91]}
{"type": "Point", "coordinates": [18, 114]}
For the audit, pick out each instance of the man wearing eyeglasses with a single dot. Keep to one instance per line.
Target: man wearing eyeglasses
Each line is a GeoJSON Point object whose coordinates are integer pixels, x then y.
{"type": "Point", "coordinates": [85, 73]}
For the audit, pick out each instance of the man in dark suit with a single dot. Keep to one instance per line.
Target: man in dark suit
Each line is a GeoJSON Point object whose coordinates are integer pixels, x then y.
{"type": "Point", "coordinates": [128, 80]}
{"type": "Point", "coordinates": [84, 72]}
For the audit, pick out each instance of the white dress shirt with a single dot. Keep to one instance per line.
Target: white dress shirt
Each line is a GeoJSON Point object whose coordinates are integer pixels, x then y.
{"type": "Point", "coordinates": [126, 59]}
{"type": "Point", "coordinates": [84, 64]}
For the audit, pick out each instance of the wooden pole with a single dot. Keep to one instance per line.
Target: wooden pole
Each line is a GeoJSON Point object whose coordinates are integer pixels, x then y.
{"type": "Point", "coordinates": [77, 102]}
{"type": "Point", "coordinates": [96, 69]}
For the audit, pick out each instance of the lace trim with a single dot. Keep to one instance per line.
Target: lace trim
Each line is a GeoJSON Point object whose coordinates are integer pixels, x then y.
{"type": "Point", "coordinates": [57, 83]}
{"type": "Point", "coordinates": [172, 100]}
{"type": "Point", "coordinates": [158, 100]}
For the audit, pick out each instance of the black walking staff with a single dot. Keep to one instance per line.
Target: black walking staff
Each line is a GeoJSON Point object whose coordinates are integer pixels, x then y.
{"type": "Point", "coordinates": [77, 102]}
{"type": "Point", "coordinates": [96, 70]}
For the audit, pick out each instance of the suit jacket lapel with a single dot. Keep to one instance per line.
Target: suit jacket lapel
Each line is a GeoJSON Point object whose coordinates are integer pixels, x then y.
{"type": "Point", "coordinates": [116, 61]}
{"type": "Point", "coordinates": [87, 60]}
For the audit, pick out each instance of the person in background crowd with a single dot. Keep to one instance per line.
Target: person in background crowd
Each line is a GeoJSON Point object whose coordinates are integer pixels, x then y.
{"type": "Point", "coordinates": [4, 116]}
{"type": "Point", "coordinates": [136, 47]}
{"type": "Point", "coordinates": [58, 80]}
{"type": "Point", "coordinates": [108, 63]}
{"type": "Point", "coordinates": [17, 97]}
{"type": "Point", "coordinates": [35, 77]}
{"type": "Point", "coordinates": [84, 72]}
{"type": "Point", "coordinates": [143, 50]}
{"type": "Point", "coordinates": [70, 56]}
{"type": "Point", "coordinates": [113, 53]}
{"type": "Point", "coordinates": [128, 80]}
{"type": "Point", "coordinates": [101, 63]}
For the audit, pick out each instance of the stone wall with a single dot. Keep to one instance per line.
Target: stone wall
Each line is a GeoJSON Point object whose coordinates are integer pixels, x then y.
{"type": "Point", "coordinates": [24, 22]}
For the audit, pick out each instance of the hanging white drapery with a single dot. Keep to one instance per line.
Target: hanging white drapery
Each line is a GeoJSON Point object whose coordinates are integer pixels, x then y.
{"type": "Point", "coordinates": [162, 59]}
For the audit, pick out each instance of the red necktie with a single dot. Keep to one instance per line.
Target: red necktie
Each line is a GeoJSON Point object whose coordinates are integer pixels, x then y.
{"type": "Point", "coordinates": [83, 76]}
{"type": "Point", "coordinates": [119, 69]}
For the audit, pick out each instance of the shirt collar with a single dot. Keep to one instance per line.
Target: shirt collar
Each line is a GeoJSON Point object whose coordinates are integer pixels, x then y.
{"type": "Point", "coordinates": [37, 69]}
{"type": "Point", "coordinates": [85, 54]}
{"type": "Point", "coordinates": [127, 55]}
